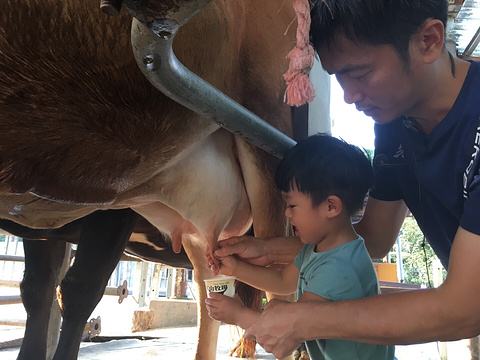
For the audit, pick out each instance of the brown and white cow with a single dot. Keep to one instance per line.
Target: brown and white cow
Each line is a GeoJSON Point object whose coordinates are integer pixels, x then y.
{"type": "Point", "coordinates": [82, 130]}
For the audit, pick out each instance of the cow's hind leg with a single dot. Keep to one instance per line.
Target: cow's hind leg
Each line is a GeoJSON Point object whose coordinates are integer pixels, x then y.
{"type": "Point", "coordinates": [251, 298]}
{"type": "Point", "coordinates": [265, 199]}
{"type": "Point", "coordinates": [207, 327]}
{"type": "Point", "coordinates": [43, 260]}
{"type": "Point", "coordinates": [102, 240]}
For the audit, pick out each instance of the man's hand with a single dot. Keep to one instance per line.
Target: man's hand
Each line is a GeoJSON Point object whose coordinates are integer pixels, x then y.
{"type": "Point", "coordinates": [275, 329]}
{"type": "Point", "coordinates": [248, 248]}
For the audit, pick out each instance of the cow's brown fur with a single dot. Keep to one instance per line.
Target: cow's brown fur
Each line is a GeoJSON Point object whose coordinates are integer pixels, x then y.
{"type": "Point", "coordinates": [82, 130]}
{"type": "Point", "coordinates": [56, 89]}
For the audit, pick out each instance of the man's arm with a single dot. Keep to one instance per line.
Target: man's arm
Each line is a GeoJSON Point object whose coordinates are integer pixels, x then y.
{"type": "Point", "coordinates": [280, 250]}
{"type": "Point", "coordinates": [309, 297]}
{"type": "Point", "coordinates": [380, 225]}
{"type": "Point", "coordinates": [450, 312]}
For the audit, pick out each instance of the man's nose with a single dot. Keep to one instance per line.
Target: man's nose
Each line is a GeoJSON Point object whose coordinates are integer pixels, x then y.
{"type": "Point", "coordinates": [351, 94]}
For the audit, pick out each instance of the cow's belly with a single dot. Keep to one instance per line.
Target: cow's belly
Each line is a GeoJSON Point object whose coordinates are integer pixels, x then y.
{"type": "Point", "coordinates": [34, 212]}
{"type": "Point", "coordinates": [202, 196]}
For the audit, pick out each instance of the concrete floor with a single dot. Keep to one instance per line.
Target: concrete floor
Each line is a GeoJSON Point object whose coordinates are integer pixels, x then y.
{"type": "Point", "coordinates": [169, 343]}
{"type": "Point", "coordinates": [177, 343]}
{"type": "Point", "coordinates": [172, 343]}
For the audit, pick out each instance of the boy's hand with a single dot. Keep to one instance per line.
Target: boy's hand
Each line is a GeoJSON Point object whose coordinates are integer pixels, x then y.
{"type": "Point", "coordinates": [224, 308]}
{"type": "Point", "coordinates": [212, 263]}
{"type": "Point", "coordinates": [226, 266]}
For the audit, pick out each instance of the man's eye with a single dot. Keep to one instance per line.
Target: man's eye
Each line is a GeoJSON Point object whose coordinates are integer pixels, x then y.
{"type": "Point", "coordinates": [360, 76]}
{"type": "Point", "coordinates": [291, 206]}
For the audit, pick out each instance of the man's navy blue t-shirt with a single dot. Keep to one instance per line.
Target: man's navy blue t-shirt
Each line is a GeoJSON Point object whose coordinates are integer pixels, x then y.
{"type": "Point", "coordinates": [436, 174]}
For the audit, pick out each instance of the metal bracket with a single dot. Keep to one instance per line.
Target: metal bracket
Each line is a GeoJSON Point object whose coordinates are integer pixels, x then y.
{"type": "Point", "coordinates": [95, 327]}
{"type": "Point", "coordinates": [153, 31]}
{"type": "Point", "coordinates": [164, 18]}
{"type": "Point", "coordinates": [122, 291]}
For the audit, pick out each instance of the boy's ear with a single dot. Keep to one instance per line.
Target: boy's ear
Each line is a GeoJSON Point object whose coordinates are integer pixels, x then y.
{"type": "Point", "coordinates": [335, 206]}
{"type": "Point", "coordinates": [431, 37]}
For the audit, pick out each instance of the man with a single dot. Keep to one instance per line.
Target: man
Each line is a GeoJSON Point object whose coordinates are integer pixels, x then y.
{"type": "Point", "coordinates": [390, 59]}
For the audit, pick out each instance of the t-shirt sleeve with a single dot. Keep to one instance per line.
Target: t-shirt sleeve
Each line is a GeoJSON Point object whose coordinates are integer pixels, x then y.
{"type": "Point", "coordinates": [385, 186]}
{"type": "Point", "coordinates": [471, 208]}
{"type": "Point", "coordinates": [335, 281]}
{"type": "Point", "coordinates": [298, 261]}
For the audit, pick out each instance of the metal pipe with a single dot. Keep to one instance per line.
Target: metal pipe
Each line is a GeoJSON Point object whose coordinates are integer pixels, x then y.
{"type": "Point", "coordinates": [12, 299]}
{"type": "Point", "coordinates": [401, 277]}
{"type": "Point", "coordinates": [152, 40]}
{"type": "Point", "coordinates": [12, 323]}
{"type": "Point", "coordinates": [9, 283]}
{"type": "Point", "coordinates": [109, 290]}
{"type": "Point", "coordinates": [12, 258]}
{"type": "Point", "coordinates": [472, 45]}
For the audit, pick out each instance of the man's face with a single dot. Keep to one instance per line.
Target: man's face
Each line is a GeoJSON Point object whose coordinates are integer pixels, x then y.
{"type": "Point", "coordinates": [374, 78]}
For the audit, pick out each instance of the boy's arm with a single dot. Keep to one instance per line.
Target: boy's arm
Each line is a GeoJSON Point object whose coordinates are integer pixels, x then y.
{"type": "Point", "coordinates": [311, 297]}
{"type": "Point", "coordinates": [273, 280]}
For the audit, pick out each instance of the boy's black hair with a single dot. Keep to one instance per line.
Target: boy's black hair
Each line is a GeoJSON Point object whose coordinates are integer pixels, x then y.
{"type": "Point", "coordinates": [374, 22]}
{"type": "Point", "coordinates": [322, 165]}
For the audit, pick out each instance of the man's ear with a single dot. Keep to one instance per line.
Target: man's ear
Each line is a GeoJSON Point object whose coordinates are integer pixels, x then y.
{"type": "Point", "coordinates": [334, 206]}
{"type": "Point", "coordinates": [431, 37]}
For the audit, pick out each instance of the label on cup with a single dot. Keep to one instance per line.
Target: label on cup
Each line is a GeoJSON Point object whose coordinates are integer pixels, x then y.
{"type": "Point", "coordinates": [224, 285]}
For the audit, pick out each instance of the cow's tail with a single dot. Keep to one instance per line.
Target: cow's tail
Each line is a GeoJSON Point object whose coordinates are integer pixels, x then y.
{"type": "Point", "coordinates": [252, 298]}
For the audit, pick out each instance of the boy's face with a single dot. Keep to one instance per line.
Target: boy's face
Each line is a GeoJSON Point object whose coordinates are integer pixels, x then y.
{"type": "Point", "coordinates": [306, 218]}
{"type": "Point", "coordinates": [374, 78]}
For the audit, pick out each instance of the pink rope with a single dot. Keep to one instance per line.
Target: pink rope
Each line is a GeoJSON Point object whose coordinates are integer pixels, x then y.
{"type": "Point", "coordinates": [299, 87]}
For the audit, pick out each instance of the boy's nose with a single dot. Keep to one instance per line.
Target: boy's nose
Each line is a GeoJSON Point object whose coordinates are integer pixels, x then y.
{"type": "Point", "coordinates": [288, 212]}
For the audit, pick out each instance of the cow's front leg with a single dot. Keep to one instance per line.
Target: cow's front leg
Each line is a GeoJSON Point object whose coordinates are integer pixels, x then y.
{"type": "Point", "coordinates": [207, 327]}
{"type": "Point", "coordinates": [43, 260]}
{"type": "Point", "coordinates": [103, 237]}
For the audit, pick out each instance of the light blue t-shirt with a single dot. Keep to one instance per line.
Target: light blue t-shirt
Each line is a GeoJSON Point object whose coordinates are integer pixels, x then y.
{"type": "Point", "coordinates": [342, 273]}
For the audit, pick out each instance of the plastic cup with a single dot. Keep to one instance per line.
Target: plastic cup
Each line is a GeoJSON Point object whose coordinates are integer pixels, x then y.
{"type": "Point", "coordinates": [221, 284]}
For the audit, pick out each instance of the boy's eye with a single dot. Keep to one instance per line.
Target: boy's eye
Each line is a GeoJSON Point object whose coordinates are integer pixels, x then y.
{"type": "Point", "coordinates": [290, 206]}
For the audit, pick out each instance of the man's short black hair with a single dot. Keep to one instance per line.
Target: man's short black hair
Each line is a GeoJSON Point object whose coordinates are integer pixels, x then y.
{"type": "Point", "coordinates": [322, 165]}
{"type": "Point", "coordinates": [374, 22]}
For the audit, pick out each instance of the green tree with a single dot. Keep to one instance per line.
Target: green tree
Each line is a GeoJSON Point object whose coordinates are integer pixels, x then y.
{"type": "Point", "coordinates": [415, 259]}
{"type": "Point", "coordinates": [369, 153]}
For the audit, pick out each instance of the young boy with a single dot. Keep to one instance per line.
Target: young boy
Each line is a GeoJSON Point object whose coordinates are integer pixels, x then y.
{"type": "Point", "coordinates": [324, 181]}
